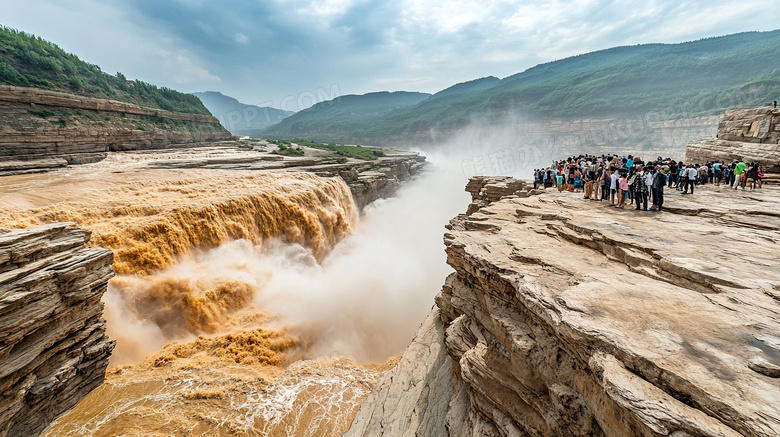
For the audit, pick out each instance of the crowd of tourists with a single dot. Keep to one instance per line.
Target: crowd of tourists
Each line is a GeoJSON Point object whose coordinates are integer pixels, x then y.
{"type": "Point", "coordinates": [628, 179]}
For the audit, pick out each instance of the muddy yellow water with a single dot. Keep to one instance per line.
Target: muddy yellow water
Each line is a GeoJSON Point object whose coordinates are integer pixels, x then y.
{"type": "Point", "coordinates": [196, 354]}
{"type": "Point", "coordinates": [149, 218]}
{"type": "Point", "coordinates": [224, 386]}
{"type": "Point", "coordinates": [206, 395]}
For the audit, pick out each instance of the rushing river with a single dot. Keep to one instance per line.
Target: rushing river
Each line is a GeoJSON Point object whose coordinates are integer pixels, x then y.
{"type": "Point", "coordinates": [239, 294]}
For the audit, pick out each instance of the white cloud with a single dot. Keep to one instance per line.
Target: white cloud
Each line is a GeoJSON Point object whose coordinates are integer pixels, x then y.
{"type": "Point", "coordinates": [183, 67]}
{"type": "Point", "coordinates": [241, 38]}
{"type": "Point", "coordinates": [264, 51]}
{"type": "Point", "coordinates": [325, 9]}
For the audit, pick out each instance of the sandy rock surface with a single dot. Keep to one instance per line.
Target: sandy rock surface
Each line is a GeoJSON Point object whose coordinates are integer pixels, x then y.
{"type": "Point", "coordinates": [568, 317]}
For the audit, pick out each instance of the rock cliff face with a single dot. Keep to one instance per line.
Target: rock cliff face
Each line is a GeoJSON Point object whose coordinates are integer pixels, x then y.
{"type": "Point", "coordinates": [372, 180]}
{"type": "Point", "coordinates": [41, 129]}
{"type": "Point", "coordinates": [751, 125]}
{"type": "Point", "coordinates": [565, 317]}
{"type": "Point", "coordinates": [749, 134]}
{"type": "Point", "coordinates": [53, 344]}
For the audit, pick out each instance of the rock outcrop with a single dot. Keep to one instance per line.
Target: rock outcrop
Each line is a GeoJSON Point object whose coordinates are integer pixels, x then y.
{"type": "Point", "coordinates": [53, 344]}
{"type": "Point", "coordinates": [41, 129]}
{"type": "Point", "coordinates": [565, 317]}
{"type": "Point", "coordinates": [749, 134]}
{"type": "Point", "coordinates": [759, 125]}
{"type": "Point", "coordinates": [368, 180]}
{"type": "Point", "coordinates": [372, 180]}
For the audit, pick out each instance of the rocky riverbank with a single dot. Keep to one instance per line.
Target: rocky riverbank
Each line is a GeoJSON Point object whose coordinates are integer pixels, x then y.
{"type": "Point", "coordinates": [53, 342]}
{"type": "Point", "coordinates": [152, 208]}
{"type": "Point", "coordinates": [567, 317]}
{"type": "Point", "coordinates": [367, 180]}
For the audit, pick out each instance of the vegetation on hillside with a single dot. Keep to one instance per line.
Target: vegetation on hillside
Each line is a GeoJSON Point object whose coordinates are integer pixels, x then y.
{"type": "Point", "coordinates": [293, 148]}
{"type": "Point", "coordinates": [671, 80]}
{"type": "Point", "coordinates": [287, 148]}
{"type": "Point", "coordinates": [29, 61]}
{"type": "Point", "coordinates": [343, 114]}
{"type": "Point", "coordinates": [676, 80]}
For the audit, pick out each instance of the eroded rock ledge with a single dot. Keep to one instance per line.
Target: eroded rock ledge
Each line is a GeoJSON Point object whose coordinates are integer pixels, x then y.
{"type": "Point", "coordinates": [53, 343]}
{"type": "Point", "coordinates": [745, 134]}
{"type": "Point", "coordinates": [82, 129]}
{"type": "Point", "coordinates": [566, 317]}
{"type": "Point", "coordinates": [368, 180]}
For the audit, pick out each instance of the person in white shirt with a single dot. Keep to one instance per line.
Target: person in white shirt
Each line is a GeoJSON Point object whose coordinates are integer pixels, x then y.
{"type": "Point", "coordinates": [649, 182]}
{"type": "Point", "coordinates": [613, 186]}
{"type": "Point", "coordinates": [692, 174]}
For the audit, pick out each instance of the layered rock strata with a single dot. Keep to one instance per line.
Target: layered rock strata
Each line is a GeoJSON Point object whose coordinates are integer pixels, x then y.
{"type": "Point", "coordinates": [746, 134]}
{"type": "Point", "coordinates": [759, 125]}
{"type": "Point", "coordinates": [53, 343]}
{"type": "Point", "coordinates": [567, 317]}
{"type": "Point", "coordinates": [79, 130]}
{"type": "Point", "coordinates": [372, 180]}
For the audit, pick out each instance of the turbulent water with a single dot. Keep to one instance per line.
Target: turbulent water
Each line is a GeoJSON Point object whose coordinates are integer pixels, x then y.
{"type": "Point", "coordinates": [238, 294]}
{"type": "Point", "coordinates": [149, 218]}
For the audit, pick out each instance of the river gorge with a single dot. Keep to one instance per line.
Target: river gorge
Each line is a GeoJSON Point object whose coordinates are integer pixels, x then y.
{"type": "Point", "coordinates": [256, 294]}
{"type": "Point", "coordinates": [239, 294]}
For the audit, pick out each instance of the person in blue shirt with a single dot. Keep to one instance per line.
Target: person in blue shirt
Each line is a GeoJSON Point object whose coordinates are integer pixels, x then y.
{"type": "Point", "coordinates": [717, 173]}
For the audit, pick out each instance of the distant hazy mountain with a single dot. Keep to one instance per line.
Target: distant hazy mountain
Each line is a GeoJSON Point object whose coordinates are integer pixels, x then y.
{"type": "Point", "coordinates": [240, 118]}
{"type": "Point", "coordinates": [675, 80]}
{"type": "Point", "coordinates": [334, 118]}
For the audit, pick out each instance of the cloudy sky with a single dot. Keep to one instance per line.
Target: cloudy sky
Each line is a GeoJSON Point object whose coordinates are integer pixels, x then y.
{"type": "Point", "coordinates": [284, 53]}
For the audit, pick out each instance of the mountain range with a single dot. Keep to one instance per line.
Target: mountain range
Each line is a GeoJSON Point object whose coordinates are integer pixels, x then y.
{"type": "Point", "coordinates": [241, 119]}
{"type": "Point", "coordinates": [670, 81]}
{"type": "Point", "coordinates": [332, 119]}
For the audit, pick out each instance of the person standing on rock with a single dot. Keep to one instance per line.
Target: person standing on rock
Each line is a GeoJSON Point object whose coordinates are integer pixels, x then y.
{"type": "Point", "coordinates": [589, 175]}
{"type": "Point", "coordinates": [703, 174]}
{"type": "Point", "coordinates": [692, 173]}
{"type": "Point", "coordinates": [640, 188]}
{"type": "Point", "coordinates": [613, 185]}
{"type": "Point", "coordinates": [672, 174]}
{"type": "Point", "coordinates": [659, 182]}
{"type": "Point", "coordinates": [717, 173]}
{"type": "Point", "coordinates": [683, 178]}
{"type": "Point", "coordinates": [732, 174]}
{"type": "Point", "coordinates": [739, 175]}
{"type": "Point", "coordinates": [752, 175]}
{"type": "Point", "coordinates": [649, 182]}
{"type": "Point", "coordinates": [604, 182]}
{"type": "Point", "coordinates": [622, 190]}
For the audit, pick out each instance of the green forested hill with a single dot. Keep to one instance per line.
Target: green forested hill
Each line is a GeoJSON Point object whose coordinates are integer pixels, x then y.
{"type": "Point", "coordinates": [29, 61]}
{"type": "Point", "coordinates": [676, 80]}
{"type": "Point", "coordinates": [333, 119]}
{"type": "Point", "coordinates": [690, 78]}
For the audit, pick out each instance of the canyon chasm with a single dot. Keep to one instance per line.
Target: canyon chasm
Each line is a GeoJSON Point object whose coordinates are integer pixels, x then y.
{"type": "Point", "coordinates": [199, 240]}
{"type": "Point", "coordinates": [245, 299]}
